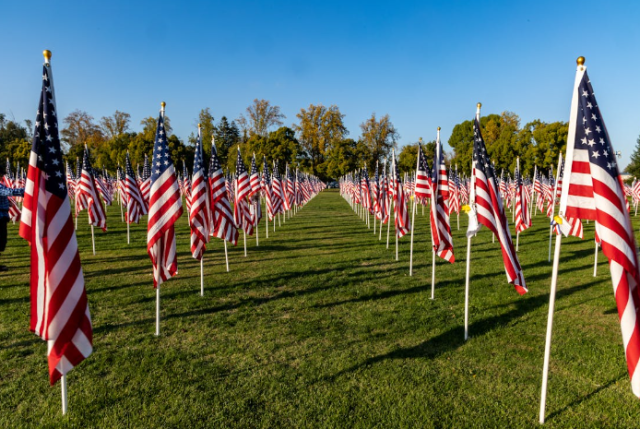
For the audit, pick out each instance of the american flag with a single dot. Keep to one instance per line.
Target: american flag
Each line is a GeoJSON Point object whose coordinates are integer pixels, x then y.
{"type": "Point", "coordinates": [523, 219]}
{"type": "Point", "coordinates": [375, 192]}
{"type": "Point", "coordinates": [241, 212]}
{"type": "Point", "coordinates": [200, 204]}
{"type": "Point", "coordinates": [593, 190]}
{"type": "Point", "coordinates": [185, 187]}
{"type": "Point", "coordinates": [276, 190]}
{"type": "Point", "coordinates": [145, 186]}
{"type": "Point", "coordinates": [165, 207]}
{"type": "Point", "coordinates": [88, 196]}
{"type": "Point", "coordinates": [490, 211]}
{"type": "Point", "coordinates": [385, 204]}
{"type": "Point", "coordinates": [287, 189]}
{"type": "Point", "coordinates": [222, 226]}
{"type": "Point", "coordinates": [102, 185]}
{"type": "Point", "coordinates": [59, 306]}
{"type": "Point", "coordinates": [265, 185]}
{"type": "Point", "coordinates": [254, 196]}
{"type": "Point", "coordinates": [440, 228]}
{"type": "Point", "coordinates": [400, 212]}
{"type": "Point", "coordinates": [365, 193]}
{"type": "Point", "coordinates": [254, 178]}
{"type": "Point", "coordinates": [133, 196]}
{"type": "Point", "coordinates": [454, 191]}
{"type": "Point", "coordinates": [423, 179]}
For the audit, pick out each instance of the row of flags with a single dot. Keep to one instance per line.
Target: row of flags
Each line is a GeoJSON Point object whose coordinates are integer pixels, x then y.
{"type": "Point", "coordinates": [588, 184]}
{"type": "Point", "coordinates": [59, 307]}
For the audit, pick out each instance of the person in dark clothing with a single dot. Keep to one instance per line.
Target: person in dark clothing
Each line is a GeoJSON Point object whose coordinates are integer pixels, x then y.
{"type": "Point", "coordinates": [4, 215]}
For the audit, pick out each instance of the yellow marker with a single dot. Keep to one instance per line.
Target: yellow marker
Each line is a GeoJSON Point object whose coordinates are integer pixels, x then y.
{"type": "Point", "coordinates": [558, 219]}
{"type": "Point", "coordinates": [466, 208]}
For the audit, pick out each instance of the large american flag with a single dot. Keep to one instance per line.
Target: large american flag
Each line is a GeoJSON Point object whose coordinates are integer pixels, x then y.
{"type": "Point", "coordinates": [490, 211]}
{"type": "Point", "coordinates": [222, 225]}
{"type": "Point", "coordinates": [59, 307]}
{"type": "Point", "coordinates": [241, 211]}
{"type": "Point", "coordinates": [200, 198]}
{"type": "Point", "coordinates": [88, 194]}
{"type": "Point", "coordinates": [440, 229]}
{"type": "Point", "coordinates": [165, 207]}
{"type": "Point", "coordinates": [593, 189]}
{"type": "Point", "coordinates": [133, 196]}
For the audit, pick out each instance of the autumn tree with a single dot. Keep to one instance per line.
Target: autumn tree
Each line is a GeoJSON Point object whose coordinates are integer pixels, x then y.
{"type": "Point", "coordinates": [115, 125]}
{"type": "Point", "coordinates": [260, 117]}
{"type": "Point", "coordinates": [80, 129]}
{"type": "Point", "coordinates": [380, 136]}
{"type": "Point", "coordinates": [319, 129]}
{"type": "Point", "coordinates": [345, 156]}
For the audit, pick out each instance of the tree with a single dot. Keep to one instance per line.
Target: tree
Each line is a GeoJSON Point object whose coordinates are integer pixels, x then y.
{"type": "Point", "coordinates": [319, 129]}
{"type": "Point", "coordinates": [408, 158]}
{"type": "Point", "coordinates": [380, 136]}
{"type": "Point", "coordinates": [261, 116]}
{"type": "Point", "coordinates": [207, 129]}
{"type": "Point", "coordinates": [80, 130]}
{"type": "Point", "coordinates": [14, 142]}
{"type": "Point", "coordinates": [227, 135]}
{"type": "Point", "coordinates": [634, 166]}
{"type": "Point", "coordinates": [113, 126]}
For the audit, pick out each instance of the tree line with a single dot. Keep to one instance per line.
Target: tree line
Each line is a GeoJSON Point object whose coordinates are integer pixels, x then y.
{"type": "Point", "coordinates": [318, 142]}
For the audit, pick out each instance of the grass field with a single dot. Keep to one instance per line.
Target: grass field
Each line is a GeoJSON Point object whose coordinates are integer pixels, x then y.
{"type": "Point", "coordinates": [321, 327]}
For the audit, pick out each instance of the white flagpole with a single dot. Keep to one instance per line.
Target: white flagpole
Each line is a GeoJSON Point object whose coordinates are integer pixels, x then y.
{"type": "Point", "coordinates": [65, 395]}
{"type": "Point", "coordinates": [158, 311]}
{"type": "Point", "coordinates": [121, 209]}
{"type": "Point", "coordinates": [466, 290]}
{"type": "Point", "coordinates": [63, 384]}
{"type": "Point", "coordinates": [202, 276]}
{"type": "Point", "coordinates": [595, 261]}
{"type": "Point", "coordinates": [472, 202]}
{"type": "Point", "coordinates": [266, 219]}
{"type": "Point", "coordinates": [128, 239]}
{"type": "Point", "coordinates": [244, 233]}
{"type": "Point", "coordinates": [93, 240]}
{"type": "Point", "coordinates": [547, 347]}
{"type": "Point", "coordinates": [257, 225]}
{"type": "Point", "coordinates": [226, 255]}
{"type": "Point", "coordinates": [556, 255]}
{"type": "Point", "coordinates": [433, 272]}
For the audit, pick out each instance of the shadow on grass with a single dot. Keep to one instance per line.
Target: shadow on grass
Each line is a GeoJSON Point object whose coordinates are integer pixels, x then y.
{"type": "Point", "coordinates": [585, 397]}
{"type": "Point", "coordinates": [454, 338]}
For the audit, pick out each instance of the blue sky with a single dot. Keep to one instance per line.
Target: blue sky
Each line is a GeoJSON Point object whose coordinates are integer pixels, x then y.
{"type": "Point", "coordinates": [424, 63]}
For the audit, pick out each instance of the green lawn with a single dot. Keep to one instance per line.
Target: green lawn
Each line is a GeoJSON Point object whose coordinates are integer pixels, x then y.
{"type": "Point", "coordinates": [321, 327]}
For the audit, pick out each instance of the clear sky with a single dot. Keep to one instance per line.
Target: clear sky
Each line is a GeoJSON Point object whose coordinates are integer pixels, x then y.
{"type": "Point", "coordinates": [424, 63]}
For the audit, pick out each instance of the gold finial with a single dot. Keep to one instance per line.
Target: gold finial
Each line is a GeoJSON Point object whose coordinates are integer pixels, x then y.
{"type": "Point", "coordinates": [47, 55]}
{"type": "Point", "coordinates": [163, 104]}
{"type": "Point", "coordinates": [438, 128]}
{"type": "Point", "coordinates": [580, 61]}
{"type": "Point", "coordinates": [198, 125]}
{"type": "Point", "coordinates": [420, 139]}
{"type": "Point", "coordinates": [479, 105]}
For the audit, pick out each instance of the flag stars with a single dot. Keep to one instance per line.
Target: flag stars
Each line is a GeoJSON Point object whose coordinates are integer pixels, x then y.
{"type": "Point", "coordinates": [592, 142]}
{"type": "Point", "coordinates": [598, 129]}
{"type": "Point", "coordinates": [589, 105]}
{"type": "Point", "coordinates": [585, 93]}
{"type": "Point", "coordinates": [595, 154]}
{"type": "Point", "coordinates": [594, 117]}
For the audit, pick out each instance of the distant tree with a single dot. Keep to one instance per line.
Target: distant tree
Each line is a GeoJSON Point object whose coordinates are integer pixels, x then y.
{"type": "Point", "coordinates": [115, 125]}
{"type": "Point", "coordinates": [80, 130]}
{"type": "Point", "coordinates": [380, 136]}
{"type": "Point", "coordinates": [319, 129]}
{"type": "Point", "coordinates": [261, 116]}
{"type": "Point", "coordinates": [227, 135]}
{"type": "Point", "coordinates": [207, 129]}
{"type": "Point", "coordinates": [634, 166]}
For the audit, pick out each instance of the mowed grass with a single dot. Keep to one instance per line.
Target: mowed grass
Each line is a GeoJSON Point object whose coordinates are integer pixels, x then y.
{"type": "Point", "coordinates": [319, 326]}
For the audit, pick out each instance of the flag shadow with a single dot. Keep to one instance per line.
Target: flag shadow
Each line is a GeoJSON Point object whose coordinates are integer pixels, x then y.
{"type": "Point", "coordinates": [453, 338]}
